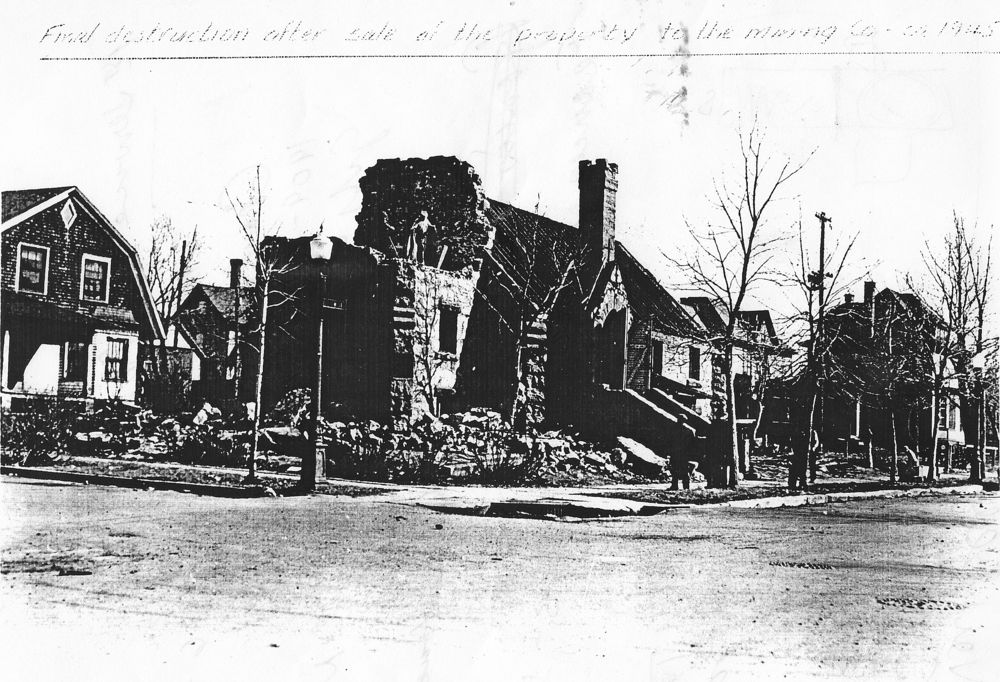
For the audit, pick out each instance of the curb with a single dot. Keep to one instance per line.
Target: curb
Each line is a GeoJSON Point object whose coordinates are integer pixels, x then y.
{"type": "Point", "coordinates": [128, 482]}
{"type": "Point", "coordinates": [828, 498]}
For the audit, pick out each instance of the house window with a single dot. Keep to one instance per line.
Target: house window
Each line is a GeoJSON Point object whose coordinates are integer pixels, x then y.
{"type": "Point", "coordinates": [448, 330]}
{"type": "Point", "coordinates": [75, 361]}
{"type": "Point", "coordinates": [694, 363]}
{"type": "Point", "coordinates": [94, 284]}
{"type": "Point", "coordinates": [657, 358]}
{"type": "Point", "coordinates": [952, 416]}
{"type": "Point", "coordinates": [32, 267]}
{"type": "Point", "coordinates": [116, 362]}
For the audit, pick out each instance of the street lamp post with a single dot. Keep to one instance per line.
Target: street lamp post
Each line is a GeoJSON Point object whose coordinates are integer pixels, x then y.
{"type": "Point", "coordinates": [977, 468]}
{"type": "Point", "coordinates": [314, 461]}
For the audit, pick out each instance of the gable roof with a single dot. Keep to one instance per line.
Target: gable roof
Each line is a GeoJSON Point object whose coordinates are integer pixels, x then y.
{"type": "Point", "coordinates": [224, 300]}
{"type": "Point", "coordinates": [516, 230]}
{"type": "Point", "coordinates": [522, 235]}
{"type": "Point", "coordinates": [649, 298]}
{"type": "Point", "coordinates": [754, 320]}
{"type": "Point", "coordinates": [20, 205]}
{"type": "Point", "coordinates": [709, 314]}
{"type": "Point", "coordinates": [17, 202]}
{"type": "Point", "coordinates": [905, 299]}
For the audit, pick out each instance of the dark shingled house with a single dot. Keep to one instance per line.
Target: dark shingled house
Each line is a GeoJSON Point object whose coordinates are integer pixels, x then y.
{"type": "Point", "coordinates": [218, 325]}
{"type": "Point", "coordinates": [75, 303]}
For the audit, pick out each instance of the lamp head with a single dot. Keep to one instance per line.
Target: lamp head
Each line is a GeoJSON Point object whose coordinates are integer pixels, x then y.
{"type": "Point", "coordinates": [320, 246]}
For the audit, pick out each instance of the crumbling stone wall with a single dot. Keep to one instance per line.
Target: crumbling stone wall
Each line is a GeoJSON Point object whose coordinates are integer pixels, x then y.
{"type": "Point", "coordinates": [403, 326]}
{"type": "Point", "coordinates": [395, 191]}
{"type": "Point", "coordinates": [435, 371]}
{"type": "Point", "coordinates": [534, 359]}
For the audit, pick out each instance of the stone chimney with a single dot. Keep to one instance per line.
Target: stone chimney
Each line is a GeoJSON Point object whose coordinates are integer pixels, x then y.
{"type": "Point", "coordinates": [235, 272]}
{"type": "Point", "coordinates": [598, 191]}
{"type": "Point", "coordinates": [848, 299]}
{"type": "Point", "coordinates": [869, 291]}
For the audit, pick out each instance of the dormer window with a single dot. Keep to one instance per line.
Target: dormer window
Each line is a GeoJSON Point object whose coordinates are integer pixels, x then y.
{"type": "Point", "coordinates": [32, 268]}
{"type": "Point", "coordinates": [96, 272]}
{"type": "Point", "coordinates": [68, 213]}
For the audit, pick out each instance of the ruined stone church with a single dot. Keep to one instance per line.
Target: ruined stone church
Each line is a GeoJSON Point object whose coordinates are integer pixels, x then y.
{"type": "Point", "coordinates": [448, 300]}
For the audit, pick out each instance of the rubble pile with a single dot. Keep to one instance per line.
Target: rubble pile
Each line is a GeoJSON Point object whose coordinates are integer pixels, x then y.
{"type": "Point", "coordinates": [473, 446]}
{"type": "Point", "coordinates": [131, 433]}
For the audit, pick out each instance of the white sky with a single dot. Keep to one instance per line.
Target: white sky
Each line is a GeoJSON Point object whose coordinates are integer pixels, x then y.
{"type": "Point", "coordinates": [900, 140]}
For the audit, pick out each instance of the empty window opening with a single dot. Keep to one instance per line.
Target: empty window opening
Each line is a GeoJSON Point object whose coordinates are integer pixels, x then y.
{"type": "Point", "coordinates": [448, 330]}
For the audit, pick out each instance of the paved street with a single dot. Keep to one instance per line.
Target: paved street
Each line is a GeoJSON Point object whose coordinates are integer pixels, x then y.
{"type": "Point", "coordinates": [104, 583]}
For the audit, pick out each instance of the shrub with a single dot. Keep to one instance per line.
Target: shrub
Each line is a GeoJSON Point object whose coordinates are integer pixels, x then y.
{"type": "Point", "coordinates": [208, 445]}
{"type": "Point", "coordinates": [38, 432]}
{"type": "Point", "coordinates": [292, 410]}
{"type": "Point", "coordinates": [167, 390]}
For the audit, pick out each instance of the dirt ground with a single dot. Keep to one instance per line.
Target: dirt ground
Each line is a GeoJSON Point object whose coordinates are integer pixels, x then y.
{"type": "Point", "coordinates": [105, 583]}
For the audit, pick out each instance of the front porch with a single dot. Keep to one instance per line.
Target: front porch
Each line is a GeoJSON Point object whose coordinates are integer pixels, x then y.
{"type": "Point", "coordinates": [49, 350]}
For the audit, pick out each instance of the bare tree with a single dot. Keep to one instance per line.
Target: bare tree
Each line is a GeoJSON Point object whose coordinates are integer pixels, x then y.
{"type": "Point", "coordinates": [806, 330]}
{"type": "Point", "coordinates": [973, 393]}
{"type": "Point", "coordinates": [171, 256]}
{"type": "Point", "coordinates": [528, 280]}
{"type": "Point", "coordinates": [956, 287]}
{"type": "Point", "coordinates": [248, 209]}
{"type": "Point", "coordinates": [733, 255]}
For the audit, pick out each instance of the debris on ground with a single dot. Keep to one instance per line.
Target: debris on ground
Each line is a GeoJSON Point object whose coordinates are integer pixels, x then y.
{"type": "Point", "coordinates": [642, 459]}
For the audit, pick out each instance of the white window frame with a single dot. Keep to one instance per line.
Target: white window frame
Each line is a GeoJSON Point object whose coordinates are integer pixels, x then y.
{"type": "Point", "coordinates": [107, 277]}
{"type": "Point", "coordinates": [123, 367]}
{"type": "Point", "coordinates": [45, 274]}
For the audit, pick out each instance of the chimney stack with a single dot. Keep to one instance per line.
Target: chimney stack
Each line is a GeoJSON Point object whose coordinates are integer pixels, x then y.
{"type": "Point", "coordinates": [848, 298]}
{"type": "Point", "coordinates": [869, 291]}
{"type": "Point", "coordinates": [235, 272]}
{"type": "Point", "coordinates": [598, 192]}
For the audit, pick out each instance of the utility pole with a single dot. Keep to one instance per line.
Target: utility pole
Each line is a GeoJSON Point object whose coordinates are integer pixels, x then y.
{"type": "Point", "coordinates": [819, 279]}
{"type": "Point", "coordinates": [175, 304]}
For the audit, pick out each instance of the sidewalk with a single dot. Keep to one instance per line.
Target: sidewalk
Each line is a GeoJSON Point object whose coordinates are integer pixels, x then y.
{"type": "Point", "coordinates": [537, 502]}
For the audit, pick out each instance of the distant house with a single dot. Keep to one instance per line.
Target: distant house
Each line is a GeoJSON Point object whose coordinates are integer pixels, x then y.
{"type": "Point", "coordinates": [216, 324]}
{"type": "Point", "coordinates": [757, 348]}
{"type": "Point", "coordinates": [881, 369]}
{"type": "Point", "coordinates": [75, 304]}
{"type": "Point", "coordinates": [879, 387]}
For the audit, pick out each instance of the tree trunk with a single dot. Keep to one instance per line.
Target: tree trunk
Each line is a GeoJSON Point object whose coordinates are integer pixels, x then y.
{"type": "Point", "coordinates": [932, 458]}
{"type": "Point", "coordinates": [977, 466]}
{"type": "Point", "coordinates": [751, 451]}
{"type": "Point", "coordinates": [519, 400]}
{"type": "Point", "coordinates": [732, 456]}
{"type": "Point", "coordinates": [798, 470]}
{"type": "Point", "coordinates": [894, 462]}
{"type": "Point", "coordinates": [814, 448]}
{"type": "Point", "coordinates": [871, 449]}
{"type": "Point", "coordinates": [259, 388]}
